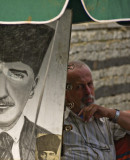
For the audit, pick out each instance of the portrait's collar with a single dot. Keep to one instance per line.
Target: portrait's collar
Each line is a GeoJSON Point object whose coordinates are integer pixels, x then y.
{"type": "Point", "coordinates": [16, 130]}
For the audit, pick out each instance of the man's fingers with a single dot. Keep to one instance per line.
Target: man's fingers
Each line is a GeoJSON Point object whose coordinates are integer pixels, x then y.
{"type": "Point", "coordinates": [80, 113]}
{"type": "Point", "coordinates": [88, 112]}
{"type": "Point", "coordinates": [91, 112]}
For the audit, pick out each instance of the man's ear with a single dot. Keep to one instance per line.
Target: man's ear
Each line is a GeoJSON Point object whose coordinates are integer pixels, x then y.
{"type": "Point", "coordinates": [68, 98]}
{"type": "Point", "coordinates": [33, 87]}
{"type": "Point", "coordinates": [69, 101]}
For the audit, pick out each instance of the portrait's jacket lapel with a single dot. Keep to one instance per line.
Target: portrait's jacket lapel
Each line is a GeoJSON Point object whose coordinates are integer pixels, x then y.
{"type": "Point", "coordinates": [27, 149]}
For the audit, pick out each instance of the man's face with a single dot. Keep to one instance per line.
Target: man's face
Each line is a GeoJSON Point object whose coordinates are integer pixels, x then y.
{"type": "Point", "coordinates": [82, 92]}
{"type": "Point", "coordinates": [16, 81]}
{"type": "Point", "coordinates": [47, 155]}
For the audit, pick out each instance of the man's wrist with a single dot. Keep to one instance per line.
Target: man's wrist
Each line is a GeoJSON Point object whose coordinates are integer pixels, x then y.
{"type": "Point", "coordinates": [117, 114]}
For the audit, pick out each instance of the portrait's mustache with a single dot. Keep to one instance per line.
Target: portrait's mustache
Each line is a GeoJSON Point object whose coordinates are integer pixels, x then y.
{"type": "Point", "coordinates": [6, 102]}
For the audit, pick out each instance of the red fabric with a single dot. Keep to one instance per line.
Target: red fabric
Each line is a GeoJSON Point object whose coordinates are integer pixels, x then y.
{"type": "Point", "coordinates": [122, 145]}
{"type": "Point", "coordinates": [123, 148]}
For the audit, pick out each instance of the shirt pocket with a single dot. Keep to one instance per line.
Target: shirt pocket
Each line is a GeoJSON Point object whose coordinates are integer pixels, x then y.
{"type": "Point", "coordinates": [100, 146]}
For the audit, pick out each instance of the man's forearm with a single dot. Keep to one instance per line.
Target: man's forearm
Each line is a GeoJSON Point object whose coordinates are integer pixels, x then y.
{"type": "Point", "coordinates": [123, 119]}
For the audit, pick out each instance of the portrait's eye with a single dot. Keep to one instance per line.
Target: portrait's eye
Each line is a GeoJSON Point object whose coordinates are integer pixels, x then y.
{"type": "Point", "coordinates": [52, 154]}
{"type": "Point", "coordinates": [43, 154]}
{"type": "Point", "coordinates": [16, 75]}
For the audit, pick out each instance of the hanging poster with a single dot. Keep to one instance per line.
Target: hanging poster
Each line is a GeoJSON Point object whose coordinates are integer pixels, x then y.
{"type": "Point", "coordinates": [33, 65]}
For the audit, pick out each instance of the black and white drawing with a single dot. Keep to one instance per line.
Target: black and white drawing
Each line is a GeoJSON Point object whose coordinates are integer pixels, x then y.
{"type": "Point", "coordinates": [29, 104]}
{"type": "Point", "coordinates": [22, 49]}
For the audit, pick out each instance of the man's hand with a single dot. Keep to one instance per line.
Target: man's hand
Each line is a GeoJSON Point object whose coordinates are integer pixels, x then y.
{"type": "Point", "coordinates": [96, 111]}
{"type": "Point", "coordinates": [99, 112]}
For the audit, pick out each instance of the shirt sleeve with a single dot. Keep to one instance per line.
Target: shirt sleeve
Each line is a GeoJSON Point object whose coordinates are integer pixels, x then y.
{"type": "Point", "coordinates": [117, 131]}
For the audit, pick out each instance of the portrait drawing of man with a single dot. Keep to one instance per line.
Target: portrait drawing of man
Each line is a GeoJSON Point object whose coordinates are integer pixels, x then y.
{"type": "Point", "coordinates": [22, 50]}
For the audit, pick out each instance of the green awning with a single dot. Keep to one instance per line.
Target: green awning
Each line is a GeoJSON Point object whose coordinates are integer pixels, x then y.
{"type": "Point", "coordinates": [45, 11]}
{"type": "Point", "coordinates": [107, 10]}
{"type": "Point", "coordinates": [31, 11]}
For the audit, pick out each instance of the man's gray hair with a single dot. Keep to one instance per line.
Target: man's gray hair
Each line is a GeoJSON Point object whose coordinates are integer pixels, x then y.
{"type": "Point", "coordinates": [77, 64]}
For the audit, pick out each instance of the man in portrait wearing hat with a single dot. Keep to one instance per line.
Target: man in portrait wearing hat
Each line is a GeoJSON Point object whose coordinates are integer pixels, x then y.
{"type": "Point", "coordinates": [22, 49]}
{"type": "Point", "coordinates": [47, 147]}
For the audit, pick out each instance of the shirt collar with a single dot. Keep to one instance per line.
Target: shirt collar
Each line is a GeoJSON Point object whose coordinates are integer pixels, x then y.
{"type": "Point", "coordinates": [16, 130]}
{"type": "Point", "coordinates": [68, 112]}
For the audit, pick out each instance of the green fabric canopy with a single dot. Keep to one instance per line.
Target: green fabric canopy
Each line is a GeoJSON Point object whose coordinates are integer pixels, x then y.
{"type": "Point", "coordinates": [104, 10]}
{"type": "Point", "coordinates": [45, 11]}
{"type": "Point", "coordinates": [35, 11]}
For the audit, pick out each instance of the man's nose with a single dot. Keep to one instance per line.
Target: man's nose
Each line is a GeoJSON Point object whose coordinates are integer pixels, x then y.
{"type": "Point", "coordinates": [3, 89]}
{"type": "Point", "coordinates": [87, 89]}
{"type": "Point", "coordinates": [48, 157]}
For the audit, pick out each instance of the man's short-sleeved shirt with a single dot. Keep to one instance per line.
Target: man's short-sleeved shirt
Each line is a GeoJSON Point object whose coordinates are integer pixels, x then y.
{"type": "Point", "coordinates": [93, 140]}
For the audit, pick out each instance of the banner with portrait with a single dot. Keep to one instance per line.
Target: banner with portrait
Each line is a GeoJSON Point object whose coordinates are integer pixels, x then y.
{"type": "Point", "coordinates": [33, 65]}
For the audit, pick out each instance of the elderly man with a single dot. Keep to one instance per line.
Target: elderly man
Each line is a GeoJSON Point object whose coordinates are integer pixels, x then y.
{"type": "Point", "coordinates": [94, 128]}
{"type": "Point", "coordinates": [47, 147]}
{"type": "Point", "coordinates": [22, 49]}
